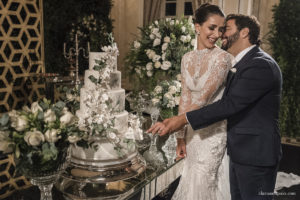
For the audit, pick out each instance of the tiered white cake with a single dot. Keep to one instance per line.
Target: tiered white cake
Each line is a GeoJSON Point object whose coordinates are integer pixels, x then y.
{"type": "Point", "coordinates": [105, 155]}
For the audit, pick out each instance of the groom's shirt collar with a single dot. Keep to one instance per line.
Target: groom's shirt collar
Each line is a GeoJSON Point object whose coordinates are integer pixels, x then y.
{"type": "Point", "coordinates": [240, 55]}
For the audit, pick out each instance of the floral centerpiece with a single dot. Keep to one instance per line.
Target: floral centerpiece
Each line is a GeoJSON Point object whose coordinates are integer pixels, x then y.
{"type": "Point", "coordinates": [39, 137]}
{"type": "Point", "coordinates": [166, 97]}
{"type": "Point", "coordinates": [157, 54]}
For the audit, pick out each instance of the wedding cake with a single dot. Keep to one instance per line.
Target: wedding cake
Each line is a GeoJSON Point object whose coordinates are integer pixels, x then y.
{"type": "Point", "coordinates": [102, 83]}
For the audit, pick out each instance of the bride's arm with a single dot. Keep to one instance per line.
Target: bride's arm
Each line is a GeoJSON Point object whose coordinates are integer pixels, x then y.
{"type": "Point", "coordinates": [185, 99]}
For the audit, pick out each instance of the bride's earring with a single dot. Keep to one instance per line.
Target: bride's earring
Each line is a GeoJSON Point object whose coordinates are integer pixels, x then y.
{"type": "Point", "coordinates": [197, 32]}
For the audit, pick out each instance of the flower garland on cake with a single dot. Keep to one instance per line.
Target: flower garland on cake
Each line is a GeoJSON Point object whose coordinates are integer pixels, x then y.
{"type": "Point", "coordinates": [99, 122]}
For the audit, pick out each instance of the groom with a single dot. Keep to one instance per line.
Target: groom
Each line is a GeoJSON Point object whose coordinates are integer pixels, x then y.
{"type": "Point", "coordinates": [250, 104]}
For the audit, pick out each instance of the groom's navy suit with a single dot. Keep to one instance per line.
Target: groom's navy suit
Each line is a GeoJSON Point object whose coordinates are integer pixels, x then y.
{"type": "Point", "coordinates": [250, 104]}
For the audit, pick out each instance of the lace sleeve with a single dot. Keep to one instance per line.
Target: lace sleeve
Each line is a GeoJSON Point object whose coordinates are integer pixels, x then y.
{"type": "Point", "coordinates": [216, 76]}
{"type": "Point", "coordinates": [185, 99]}
{"type": "Point", "coordinates": [217, 69]}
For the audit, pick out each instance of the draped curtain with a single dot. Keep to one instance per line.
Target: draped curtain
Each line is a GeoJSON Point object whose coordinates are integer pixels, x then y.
{"type": "Point", "coordinates": [152, 9]}
{"type": "Point", "coordinates": [197, 3]}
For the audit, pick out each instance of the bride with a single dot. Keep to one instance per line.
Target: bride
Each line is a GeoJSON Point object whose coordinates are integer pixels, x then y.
{"type": "Point", "coordinates": [204, 73]}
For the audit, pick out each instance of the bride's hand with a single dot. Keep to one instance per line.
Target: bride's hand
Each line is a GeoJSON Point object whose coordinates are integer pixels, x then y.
{"type": "Point", "coordinates": [156, 128]}
{"type": "Point", "coordinates": [181, 148]}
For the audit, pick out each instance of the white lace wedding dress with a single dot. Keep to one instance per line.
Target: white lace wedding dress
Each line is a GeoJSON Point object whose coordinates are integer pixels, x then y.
{"type": "Point", "coordinates": [205, 172]}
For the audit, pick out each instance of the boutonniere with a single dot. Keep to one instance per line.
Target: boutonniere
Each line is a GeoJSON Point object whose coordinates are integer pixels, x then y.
{"type": "Point", "coordinates": [233, 70]}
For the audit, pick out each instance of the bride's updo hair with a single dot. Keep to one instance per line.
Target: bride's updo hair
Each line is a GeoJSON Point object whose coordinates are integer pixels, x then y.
{"type": "Point", "coordinates": [206, 10]}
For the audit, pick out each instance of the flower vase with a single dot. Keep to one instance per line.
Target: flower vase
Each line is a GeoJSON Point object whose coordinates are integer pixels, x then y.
{"type": "Point", "coordinates": [43, 174]}
{"type": "Point", "coordinates": [166, 113]}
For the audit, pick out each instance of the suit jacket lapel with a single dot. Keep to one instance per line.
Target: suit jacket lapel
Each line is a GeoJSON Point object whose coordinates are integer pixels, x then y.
{"type": "Point", "coordinates": [238, 65]}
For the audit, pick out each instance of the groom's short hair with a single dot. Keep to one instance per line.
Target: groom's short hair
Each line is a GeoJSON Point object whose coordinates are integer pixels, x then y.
{"type": "Point", "coordinates": [250, 22]}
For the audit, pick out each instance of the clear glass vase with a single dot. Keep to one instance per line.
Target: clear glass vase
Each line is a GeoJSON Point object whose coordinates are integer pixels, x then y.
{"type": "Point", "coordinates": [43, 175]}
{"type": "Point", "coordinates": [153, 156]}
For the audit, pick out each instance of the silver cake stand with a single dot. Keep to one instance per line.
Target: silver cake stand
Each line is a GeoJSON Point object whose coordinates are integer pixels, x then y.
{"type": "Point", "coordinates": [93, 179]}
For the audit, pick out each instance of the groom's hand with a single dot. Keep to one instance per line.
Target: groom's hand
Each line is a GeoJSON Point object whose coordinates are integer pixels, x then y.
{"type": "Point", "coordinates": [173, 124]}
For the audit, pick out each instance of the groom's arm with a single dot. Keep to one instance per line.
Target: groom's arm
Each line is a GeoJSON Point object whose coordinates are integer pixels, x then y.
{"type": "Point", "coordinates": [251, 84]}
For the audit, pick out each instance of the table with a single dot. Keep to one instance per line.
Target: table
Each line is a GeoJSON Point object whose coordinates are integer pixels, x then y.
{"type": "Point", "coordinates": [144, 187]}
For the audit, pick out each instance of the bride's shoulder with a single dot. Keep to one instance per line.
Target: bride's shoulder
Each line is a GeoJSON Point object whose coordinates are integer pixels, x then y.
{"type": "Point", "coordinates": [188, 54]}
{"type": "Point", "coordinates": [222, 53]}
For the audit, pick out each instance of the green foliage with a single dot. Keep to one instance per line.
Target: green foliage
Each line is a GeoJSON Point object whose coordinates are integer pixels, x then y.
{"type": "Point", "coordinates": [60, 17]}
{"type": "Point", "coordinates": [285, 42]}
{"type": "Point", "coordinates": [157, 54]}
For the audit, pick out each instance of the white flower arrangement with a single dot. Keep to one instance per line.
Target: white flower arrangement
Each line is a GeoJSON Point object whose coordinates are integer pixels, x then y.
{"type": "Point", "coordinates": [39, 134]}
{"type": "Point", "coordinates": [166, 95]}
{"type": "Point", "coordinates": [162, 45]}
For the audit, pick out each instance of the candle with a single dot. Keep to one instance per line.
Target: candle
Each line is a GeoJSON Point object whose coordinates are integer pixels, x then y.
{"type": "Point", "coordinates": [64, 49]}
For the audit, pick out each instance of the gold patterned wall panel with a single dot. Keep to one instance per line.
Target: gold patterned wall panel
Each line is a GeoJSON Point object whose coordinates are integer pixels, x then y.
{"type": "Point", "coordinates": [9, 179]}
{"type": "Point", "coordinates": [21, 53]}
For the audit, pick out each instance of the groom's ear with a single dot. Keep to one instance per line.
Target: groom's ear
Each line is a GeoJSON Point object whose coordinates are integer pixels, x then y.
{"type": "Point", "coordinates": [244, 33]}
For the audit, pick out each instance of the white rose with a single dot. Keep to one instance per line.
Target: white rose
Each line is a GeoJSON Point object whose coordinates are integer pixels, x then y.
{"type": "Point", "coordinates": [105, 97]}
{"type": "Point", "coordinates": [178, 85]}
{"type": "Point", "coordinates": [26, 109]}
{"type": "Point", "coordinates": [156, 58]}
{"type": "Point", "coordinates": [35, 107]}
{"type": "Point", "coordinates": [4, 144]}
{"type": "Point", "coordinates": [183, 38]}
{"type": "Point", "coordinates": [155, 101]}
{"type": "Point", "coordinates": [163, 56]}
{"type": "Point", "coordinates": [164, 46]}
{"type": "Point", "coordinates": [177, 100]}
{"type": "Point", "coordinates": [166, 65]}
{"type": "Point", "coordinates": [138, 71]}
{"type": "Point", "coordinates": [19, 123]}
{"type": "Point", "coordinates": [73, 139]}
{"type": "Point", "coordinates": [136, 44]}
{"type": "Point", "coordinates": [156, 42]}
{"type": "Point", "coordinates": [158, 35]}
{"type": "Point", "coordinates": [178, 77]}
{"type": "Point", "coordinates": [157, 64]}
{"type": "Point", "coordinates": [183, 29]}
{"type": "Point", "coordinates": [233, 69]}
{"type": "Point", "coordinates": [193, 42]}
{"type": "Point", "coordinates": [172, 89]}
{"type": "Point", "coordinates": [172, 22]}
{"type": "Point", "coordinates": [49, 116]}
{"type": "Point", "coordinates": [156, 22]}
{"type": "Point", "coordinates": [149, 73]}
{"type": "Point", "coordinates": [158, 89]}
{"type": "Point", "coordinates": [149, 66]}
{"type": "Point", "coordinates": [52, 135]}
{"type": "Point", "coordinates": [155, 31]}
{"type": "Point", "coordinates": [188, 38]}
{"type": "Point", "coordinates": [112, 135]}
{"type": "Point", "coordinates": [167, 39]}
{"type": "Point", "coordinates": [34, 138]}
{"type": "Point", "coordinates": [177, 22]}
{"type": "Point", "coordinates": [168, 96]}
{"type": "Point", "coordinates": [66, 118]}
{"type": "Point", "coordinates": [152, 54]}
{"type": "Point", "coordinates": [168, 19]}
{"type": "Point", "coordinates": [152, 36]}
{"type": "Point", "coordinates": [70, 97]}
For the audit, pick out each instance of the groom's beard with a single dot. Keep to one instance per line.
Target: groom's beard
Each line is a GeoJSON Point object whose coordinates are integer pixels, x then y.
{"type": "Point", "coordinates": [230, 40]}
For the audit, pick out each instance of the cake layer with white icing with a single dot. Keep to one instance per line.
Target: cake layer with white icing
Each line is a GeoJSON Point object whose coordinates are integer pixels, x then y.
{"type": "Point", "coordinates": [105, 154]}
{"type": "Point", "coordinates": [118, 100]}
